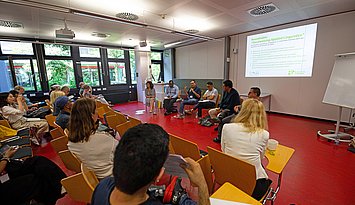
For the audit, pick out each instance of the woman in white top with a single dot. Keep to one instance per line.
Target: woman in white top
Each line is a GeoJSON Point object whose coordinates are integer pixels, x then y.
{"type": "Point", "coordinates": [93, 148]}
{"type": "Point", "coordinates": [150, 96]}
{"type": "Point", "coordinates": [13, 107]}
{"type": "Point", "coordinates": [246, 138]}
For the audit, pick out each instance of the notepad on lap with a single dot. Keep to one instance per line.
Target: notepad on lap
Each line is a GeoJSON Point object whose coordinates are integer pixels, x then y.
{"type": "Point", "coordinates": [224, 202]}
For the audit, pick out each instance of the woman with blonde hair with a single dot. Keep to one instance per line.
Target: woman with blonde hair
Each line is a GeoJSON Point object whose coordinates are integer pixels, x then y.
{"type": "Point", "coordinates": [246, 139]}
{"type": "Point", "coordinates": [94, 148]}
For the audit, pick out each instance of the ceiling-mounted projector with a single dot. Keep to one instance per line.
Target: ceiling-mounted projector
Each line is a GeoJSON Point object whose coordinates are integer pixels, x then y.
{"type": "Point", "coordinates": [64, 32]}
{"type": "Point", "coordinates": [143, 44]}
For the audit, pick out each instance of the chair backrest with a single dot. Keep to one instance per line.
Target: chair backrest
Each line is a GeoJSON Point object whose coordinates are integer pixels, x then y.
{"type": "Point", "coordinates": [50, 120]}
{"type": "Point", "coordinates": [205, 165]}
{"type": "Point", "coordinates": [230, 169]}
{"type": "Point", "coordinates": [134, 121]}
{"type": "Point", "coordinates": [122, 128]}
{"type": "Point", "coordinates": [218, 99]}
{"type": "Point", "coordinates": [57, 132]}
{"type": "Point", "coordinates": [89, 177]}
{"type": "Point", "coordinates": [60, 144]}
{"type": "Point", "coordinates": [185, 148]}
{"type": "Point", "coordinates": [100, 112]}
{"type": "Point", "coordinates": [70, 161]}
{"type": "Point", "coordinates": [114, 120]}
{"type": "Point", "coordinates": [171, 148]}
{"type": "Point", "coordinates": [77, 188]}
{"type": "Point", "coordinates": [5, 123]}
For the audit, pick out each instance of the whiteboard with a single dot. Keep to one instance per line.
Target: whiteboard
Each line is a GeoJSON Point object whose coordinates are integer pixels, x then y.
{"type": "Point", "coordinates": [341, 85]}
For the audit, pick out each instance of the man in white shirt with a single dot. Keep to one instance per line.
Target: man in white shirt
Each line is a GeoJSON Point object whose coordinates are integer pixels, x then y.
{"type": "Point", "coordinates": [209, 100]}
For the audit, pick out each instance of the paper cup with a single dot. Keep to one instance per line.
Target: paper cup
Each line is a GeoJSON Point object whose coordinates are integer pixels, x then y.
{"type": "Point", "coordinates": [272, 144]}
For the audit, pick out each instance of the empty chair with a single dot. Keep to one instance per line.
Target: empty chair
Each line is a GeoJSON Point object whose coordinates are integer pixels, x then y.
{"type": "Point", "coordinates": [60, 144]}
{"type": "Point", "coordinates": [50, 120]}
{"type": "Point", "coordinates": [100, 111]}
{"type": "Point", "coordinates": [114, 120]}
{"type": "Point", "coordinates": [70, 161]}
{"type": "Point", "coordinates": [134, 121]}
{"type": "Point", "coordinates": [122, 128]}
{"type": "Point", "coordinates": [207, 172]}
{"type": "Point", "coordinates": [185, 148]}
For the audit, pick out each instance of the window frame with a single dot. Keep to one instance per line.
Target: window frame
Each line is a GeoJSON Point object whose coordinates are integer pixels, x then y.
{"type": "Point", "coordinates": [161, 62]}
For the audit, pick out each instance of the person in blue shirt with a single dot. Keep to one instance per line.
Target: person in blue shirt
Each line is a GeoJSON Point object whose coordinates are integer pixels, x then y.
{"type": "Point", "coordinates": [171, 95]}
{"type": "Point", "coordinates": [138, 163]}
{"type": "Point", "coordinates": [193, 95]}
{"type": "Point", "coordinates": [64, 105]}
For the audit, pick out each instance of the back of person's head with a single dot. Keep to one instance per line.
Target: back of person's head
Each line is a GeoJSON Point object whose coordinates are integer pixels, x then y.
{"type": "Point", "coordinates": [151, 85]}
{"type": "Point", "coordinates": [252, 115]}
{"type": "Point", "coordinates": [54, 95]}
{"type": "Point", "coordinates": [18, 88]}
{"type": "Point", "coordinates": [256, 90]}
{"type": "Point", "coordinates": [61, 102]}
{"type": "Point", "coordinates": [139, 157]}
{"type": "Point", "coordinates": [86, 87]}
{"type": "Point", "coordinates": [228, 83]}
{"type": "Point", "coordinates": [65, 88]}
{"type": "Point", "coordinates": [82, 123]}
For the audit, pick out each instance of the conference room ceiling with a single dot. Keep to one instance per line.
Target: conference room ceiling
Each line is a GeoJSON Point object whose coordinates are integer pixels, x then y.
{"type": "Point", "coordinates": [212, 18]}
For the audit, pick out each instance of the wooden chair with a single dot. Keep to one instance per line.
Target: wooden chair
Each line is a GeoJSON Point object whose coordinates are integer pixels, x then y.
{"type": "Point", "coordinates": [70, 161]}
{"type": "Point", "coordinates": [100, 111]}
{"type": "Point", "coordinates": [60, 144]}
{"type": "Point", "coordinates": [184, 147]}
{"type": "Point", "coordinates": [89, 177]}
{"type": "Point", "coordinates": [57, 132]}
{"type": "Point", "coordinates": [207, 172]}
{"type": "Point", "coordinates": [230, 169]}
{"type": "Point", "coordinates": [122, 128]}
{"type": "Point", "coordinates": [134, 121]}
{"type": "Point", "coordinates": [66, 132]}
{"type": "Point", "coordinates": [218, 99]}
{"type": "Point", "coordinates": [114, 120]}
{"type": "Point", "coordinates": [50, 120]}
{"type": "Point", "coordinates": [171, 148]}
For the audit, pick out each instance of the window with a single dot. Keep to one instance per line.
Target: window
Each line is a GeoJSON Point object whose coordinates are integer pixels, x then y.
{"type": "Point", "coordinates": [89, 52]}
{"type": "Point", "coordinates": [23, 73]}
{"type": "Point", "coordinates": [6, 83]}
{"type": "Point", "coordinates": [155, 56]}
{"type": "Point", "coordinates": [157, 66]}
{"type": "Point", "coordinates": [16, 48]}
{"type": "Point", "coordinates": [90, 71]}
{"type": "Point", "coordinates": [117, 73]}
{"type": "Point", "coordinates": [60, 72]}
{"type": "Point", "coordinates": [56, 50]}
{"type": "Point", "coordinates": [115, 53]}
{"type": "Point", "coordinates": [37, 76]}
{"type": "Point", "coordinates": [132, 60]}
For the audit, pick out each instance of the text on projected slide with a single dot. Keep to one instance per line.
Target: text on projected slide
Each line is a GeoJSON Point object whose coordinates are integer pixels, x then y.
{"type": "Point", "coordinates": [282, 53]}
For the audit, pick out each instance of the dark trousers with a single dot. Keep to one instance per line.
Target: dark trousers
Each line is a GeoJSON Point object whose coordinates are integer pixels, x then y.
{"type": "Point", "coordinates": [261, 187]}
{"type": "Point", "coordinates": [203, 105]}
{"type": "Point", "coordinates": [168, 104]}
{"type": "Point", "coordinates": [36, 178]}
{"type": "Point", "coordinates": [224, 120]}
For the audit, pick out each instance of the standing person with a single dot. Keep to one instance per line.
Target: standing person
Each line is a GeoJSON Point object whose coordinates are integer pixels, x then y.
{"type": "Point", "coordinates": [246, 138]}
{"type": "Point", "coordinates": [150, 96]}
{"type": "Point", "coordinates": [64, 105]}
{"type": "Point", "coordinates": [171, 95]}
{"type": "Point", "coordinates": [254, 93]}
{"type": "Point", "coordinates": [138, 163]}
{"type": "Point", "coordinates": [95, 149]}
{"type": "Point", "coordinates": [14, 114]}
{"type": "Point", "coordinates": [230, 99]}
{"type": "Point", "coordinates": [193, 96]}
{"type": "Point", "coordinates": [209, 100]}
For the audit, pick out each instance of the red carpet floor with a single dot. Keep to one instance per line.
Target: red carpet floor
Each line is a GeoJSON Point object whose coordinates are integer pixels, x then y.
{"type": "Point", "coordinates": [319, 172]}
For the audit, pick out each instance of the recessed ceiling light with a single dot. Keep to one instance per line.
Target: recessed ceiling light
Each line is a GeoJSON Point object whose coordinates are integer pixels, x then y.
{"type": "Point", "coordinates": [127, 16]}
{"type": "Point", "coordinates": [11, 24]}
{"type": "Point", "coordinates": [263, 9]}
{"type": "Point", "coordinates": [193, 31]}
{"type": "Point", "coordinates": [100, 35]}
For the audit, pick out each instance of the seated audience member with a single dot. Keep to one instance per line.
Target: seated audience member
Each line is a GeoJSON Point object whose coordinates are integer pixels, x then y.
{"type": "Point", "coordinates": [171, 95]}
{"type": "Point", "coordinates": [66, 90]}
{"type": "Point", "coordinates": [81, 89]}
{"type": "Point", "coordinates": [254, 93]}
{"type": "Point", "coordinates": [87, 93]}
{"type": "Point", "coordinates": [36, 180]}
{"type": "Point", "coordinates": [53, 97]}
{"type": "Point", "coordinates": [13, 107]}
{"type": "Point", "coordinates": [21, 91]}
{"type": "Point", "coordinates": [246, 138]}
{"type": "Point", "coordinates": [209, 100]}
{"type": "Point", "coordinates": [54, 87]}
{"type": "Point", "coordinates": [94, 148]}
{"type": "Point", "coordinates": [150, 96]}
{"type": "Point", "coordinates": [138, 163]}
{"type": "Point", "coordinates": [64, 105]}
{"type": "Point", "coordinates": [193, 95]}
{"type": "Point", "coordinates": [229, 100]}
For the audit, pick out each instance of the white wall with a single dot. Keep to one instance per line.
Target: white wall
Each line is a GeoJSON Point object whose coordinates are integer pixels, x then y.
{"type": "Point", "coordinates": [200, 61]}
{"type": "Point", "coordinates": [301, 96]}
{"type": "Point", "coordinates": [142, 65]}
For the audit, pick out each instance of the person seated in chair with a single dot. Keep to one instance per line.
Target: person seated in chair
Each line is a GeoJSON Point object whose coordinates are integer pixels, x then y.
{"type": "Point", "coordinates": [171, 95]}
{"type": "Point", "coordinates": [21, 91]}
{"type": "Point", "coordinates": [64, 105]}
{"type": "Point", "coordinates": [209, 100]}
{"type": "Point", "coordinates": [150, 96]}
{"type": "Point", "coordinates": [66, 90]}
{"type": "Point", "coordinates": [246, 138]}
{"type": "Point", "coordinates": [193, 95]}
{"type": "Point", "coordinates": [138, 163]}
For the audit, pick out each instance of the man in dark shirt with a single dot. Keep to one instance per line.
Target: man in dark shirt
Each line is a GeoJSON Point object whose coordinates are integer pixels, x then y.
{"type": "Point", "coordinates": [64, 105]}
{"type": "Point", "coordinates": [230, 99]}
{"type": "Point", "coordinates": [138, 163]}
{"type": "Point", "coordinates": [193, 95]}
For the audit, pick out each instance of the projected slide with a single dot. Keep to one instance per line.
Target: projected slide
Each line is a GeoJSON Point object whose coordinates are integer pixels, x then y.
{"type": "Point", "coordinates": [282, 53]}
